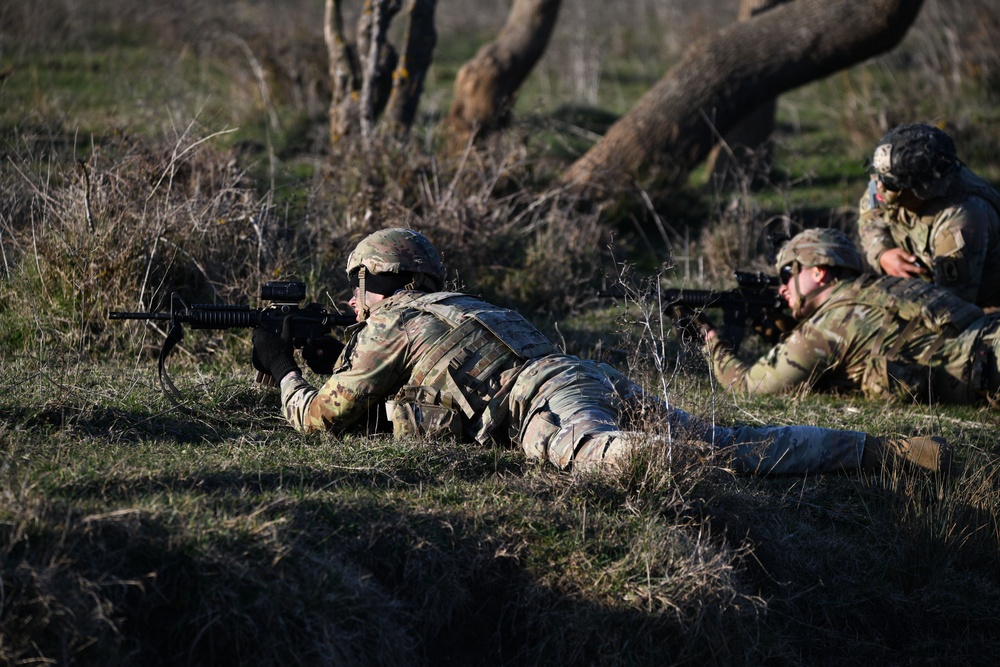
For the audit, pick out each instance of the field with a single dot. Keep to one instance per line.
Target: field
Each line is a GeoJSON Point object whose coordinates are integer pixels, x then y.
{"type": "Point", "coordinates": [148, 148]}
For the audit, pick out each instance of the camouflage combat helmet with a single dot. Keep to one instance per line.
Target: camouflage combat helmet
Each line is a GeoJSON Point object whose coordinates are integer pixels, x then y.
{"type": "Point", "coordinates": [916, 157]}
{"type": "Point", "coordinates": [398, 251]}
{"type": "Point", "coordinates": [820, 247]}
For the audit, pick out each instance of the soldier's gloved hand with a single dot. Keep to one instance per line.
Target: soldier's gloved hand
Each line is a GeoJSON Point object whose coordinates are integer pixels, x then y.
{"type": "Point", "coordinates": [691, 326]}
{"type": "Point", "coordinates": [691, 319]}
{"type": "Point", "coordinates": [322, 353]}
{"type": "Point", "coordinates": [272, 354]}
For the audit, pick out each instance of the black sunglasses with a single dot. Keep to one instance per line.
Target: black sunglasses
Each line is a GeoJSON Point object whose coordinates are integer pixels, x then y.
{"type": "Point", "coordinates": [890, 183]}
{"type": "Point", "coordinates": [786, 273]}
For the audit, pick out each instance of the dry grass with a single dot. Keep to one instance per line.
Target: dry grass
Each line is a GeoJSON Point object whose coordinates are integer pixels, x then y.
{"type": "Point", "coordinates": [139, 220]}
{"type": "Point", "coordinates": [121, 230]}
{"type": "Point", "coordinates": [130, 533]}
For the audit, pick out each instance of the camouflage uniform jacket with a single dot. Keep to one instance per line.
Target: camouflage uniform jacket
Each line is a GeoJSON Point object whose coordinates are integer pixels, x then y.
{"type": "Point", "coordinates": [884, 336]}
{"type": "Point", "coordinates": [957, 236]}
{"type": "Point", "coordinates": [448, 350]}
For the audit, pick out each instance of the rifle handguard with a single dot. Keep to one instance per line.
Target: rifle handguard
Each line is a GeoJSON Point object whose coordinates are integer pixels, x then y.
{"type": "Point", "coordinates": [306, 323]}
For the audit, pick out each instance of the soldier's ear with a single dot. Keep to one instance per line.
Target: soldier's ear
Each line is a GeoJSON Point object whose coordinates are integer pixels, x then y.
{"type": "Point", "coordinates": [821, 274]}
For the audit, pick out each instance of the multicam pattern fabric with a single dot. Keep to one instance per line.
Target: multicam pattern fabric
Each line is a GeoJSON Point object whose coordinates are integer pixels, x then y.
{"type": "Point", "coordinates": [956, 236]}
{"type": "Point", "coordinates": [820, 247]}
{"type": "Point", "coordinates": [556, 407]}
{"type": "Point", "coordinates": [785, 450]}
{"type": "Point", "coordinates": [882, 336]}
{"type": "Point", "coordinates": [397, 251]}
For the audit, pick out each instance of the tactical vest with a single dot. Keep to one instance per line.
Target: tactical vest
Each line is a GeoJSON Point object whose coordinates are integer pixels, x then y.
{"type": "Point", "coordinates": [932, 307]}
{"type": "Point", "coordinates": [920, 308]}
{"type": "Point", "coordinates": [462, 373]}
{"type": "Point", "coordinates": [964, 184]}
{"type": "Point", "coordinates": [915, 240]}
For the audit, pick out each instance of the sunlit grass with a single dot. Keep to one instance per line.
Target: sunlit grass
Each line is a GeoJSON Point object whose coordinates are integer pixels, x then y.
{"type": "Point", "coordinates": [132, 529]}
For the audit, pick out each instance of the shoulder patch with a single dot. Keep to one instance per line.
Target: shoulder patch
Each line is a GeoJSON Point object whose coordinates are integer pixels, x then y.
{"type": "Point", "coordinates": [948, 270]}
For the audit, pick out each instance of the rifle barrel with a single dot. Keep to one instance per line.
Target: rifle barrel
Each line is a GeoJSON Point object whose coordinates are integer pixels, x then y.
{"type": "Point", "coordinates": [121, 315]}
{"type": "Point", "coordinates": [684, 297]}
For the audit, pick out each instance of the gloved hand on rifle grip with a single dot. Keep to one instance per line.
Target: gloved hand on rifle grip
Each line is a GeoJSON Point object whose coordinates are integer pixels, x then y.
{"type": "Point", "coordinates": [691, 325]}
{"type": "Point", "coordinates": [272, 354]}
{"type": "Point", "coordinates": [322, 353]}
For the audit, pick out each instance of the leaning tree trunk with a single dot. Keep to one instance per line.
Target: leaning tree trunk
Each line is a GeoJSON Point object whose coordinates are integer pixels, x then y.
{"type": "Point", "coordinates": [485, 86]}
{"type": "Point", "coordinates": [744, 154]}
{"type": "Point", "coordinates": [672, 128]}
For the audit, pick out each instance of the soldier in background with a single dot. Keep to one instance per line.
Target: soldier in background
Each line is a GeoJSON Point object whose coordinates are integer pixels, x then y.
{"type": "Point", "coordinates": [445, 363]}
{"type": "Point", "coordinates": [881, 335]}
{"type": "Point", "coordinates": [926, 215]}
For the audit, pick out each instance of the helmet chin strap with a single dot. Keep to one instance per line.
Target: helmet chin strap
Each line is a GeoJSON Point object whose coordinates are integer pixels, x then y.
{"type": "Point", "coordinates": [362, 295]}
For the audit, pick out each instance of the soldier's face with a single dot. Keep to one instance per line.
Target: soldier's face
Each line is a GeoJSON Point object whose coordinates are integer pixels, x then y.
{"type": "Point", "coordinates": [900, 196]}
{"type": "Point", "coordinates": [886, 192]}
{"type": "Point", "coordinates": [371, 298]}
{"type": "Point", "coordinates": [796, 286]}
{"type": "Point", "coordinates": [787, 275]}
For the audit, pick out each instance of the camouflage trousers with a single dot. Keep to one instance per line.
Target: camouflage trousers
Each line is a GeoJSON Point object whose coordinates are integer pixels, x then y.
{"type": "Point", "coordinates": [576, 412]}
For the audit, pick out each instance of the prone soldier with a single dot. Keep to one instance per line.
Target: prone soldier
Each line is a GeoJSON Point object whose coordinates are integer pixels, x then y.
{"type": "Point", "coordinates": [448, 363]}
{"type": "Point", "coordinates": [884, 336]}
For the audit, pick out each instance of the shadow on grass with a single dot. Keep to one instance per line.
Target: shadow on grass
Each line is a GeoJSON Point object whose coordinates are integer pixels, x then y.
{"type": "Point", "coordinates": [122, 425]}
{"type": "Point", "coordinates": [349, 581]}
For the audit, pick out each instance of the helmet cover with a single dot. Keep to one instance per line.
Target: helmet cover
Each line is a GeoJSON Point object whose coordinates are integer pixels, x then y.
{"type": "Point", "coordinates": [821, 247]}
{"type": "Point", "coordinates": [916, 157]}
{"type": "Point", "coordinates": [398, 251]}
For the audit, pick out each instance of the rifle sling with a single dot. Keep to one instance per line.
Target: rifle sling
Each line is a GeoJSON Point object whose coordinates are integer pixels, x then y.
{"type": "Point", "coordinates": [175, 334]}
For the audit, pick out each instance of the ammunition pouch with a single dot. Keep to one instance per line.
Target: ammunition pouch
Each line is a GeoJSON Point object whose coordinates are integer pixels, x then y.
{"type": "Point", "coordinates": [424, 412]}
{"type": "Point", "coordinates": [895, 380]}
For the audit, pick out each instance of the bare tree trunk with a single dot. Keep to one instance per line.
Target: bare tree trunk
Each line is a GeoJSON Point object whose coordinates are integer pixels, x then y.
{"type": "Point", "coordinates": [360, 76]}
{"type": "Point", "coordinates": [485, 86]}
{"type": "Point", "coordinates": [744, 154]}
{"type": "Point", "coordinates": [673, 126]}
{"type": "Point", "coordinates": [343, 72]}
{"type": "Point", "coordinates": [408, 78]}
{"type": "Point", "coordinates": [377, 57]}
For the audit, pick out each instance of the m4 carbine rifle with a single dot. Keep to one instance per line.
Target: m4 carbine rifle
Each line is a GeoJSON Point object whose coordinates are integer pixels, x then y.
{"type": "Point", "coordinates": [755, 304]}
{"type": "Point", "coordinates": [307, 323]}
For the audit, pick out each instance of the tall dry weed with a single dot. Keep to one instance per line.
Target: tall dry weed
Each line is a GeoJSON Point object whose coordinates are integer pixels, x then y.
{"type": "Point", "coordinates": [123, 227]}
{"type": "Point", "coordinates": [501, 234]}
{"type": "Point", "coordinates": [134, 221]}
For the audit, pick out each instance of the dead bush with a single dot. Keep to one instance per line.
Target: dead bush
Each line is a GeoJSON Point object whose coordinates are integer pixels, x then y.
{"type": "Point", "coordinates": [125, 227]}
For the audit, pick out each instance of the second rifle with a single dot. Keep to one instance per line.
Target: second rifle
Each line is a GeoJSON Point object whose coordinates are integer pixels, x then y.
{"type": "Point", "coordinates": [754, 304]}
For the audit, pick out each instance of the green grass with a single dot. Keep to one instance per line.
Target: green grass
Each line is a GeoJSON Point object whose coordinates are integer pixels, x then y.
{"type": "Point", "coordinates": [151, 524]}
{"type": "Point", "coordinates": [134, 532]}
{"type": "Point", "coordinates": [97, 92]}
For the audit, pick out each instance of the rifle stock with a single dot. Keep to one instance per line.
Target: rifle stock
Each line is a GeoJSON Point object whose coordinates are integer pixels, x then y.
{"type": "Point", "coordinates": [309, 322]}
